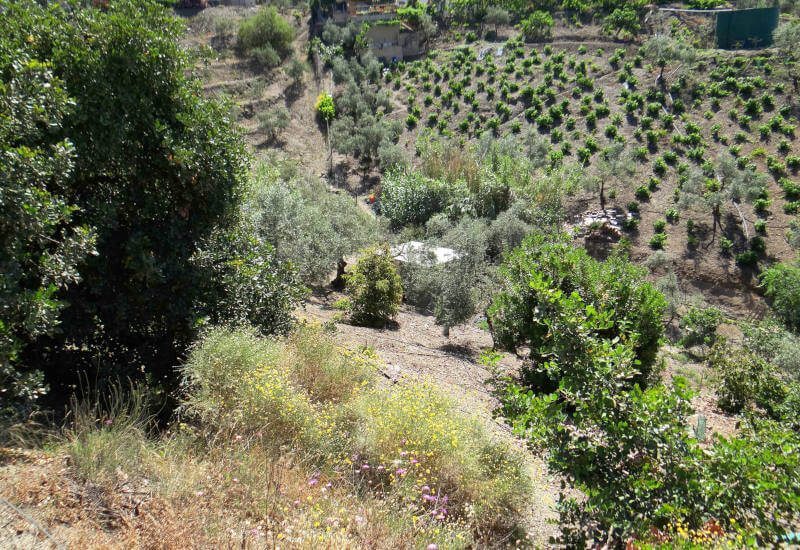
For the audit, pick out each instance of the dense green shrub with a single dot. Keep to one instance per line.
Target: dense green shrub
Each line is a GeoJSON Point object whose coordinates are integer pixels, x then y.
{"type": "Point", "coordinates": [781, 284]}
{"type": "Point", "coordinates": [699, 326]}
{"type": "Point", "coordinates": [775, 344]}
{"type": "Point", "coordinates": [559, 301]}
{"type": "Point", "coordinates": [374, 287]}
{"type": "Point", "coordinates": [637, 467]}
{"type": "Point", "coordinates": [410, 198]}
{"type": "Point", "coordinates": [657, 241]}
{"type": "Point", "coordinates": [266, 37]}
{"type": "Point", "coordinates": [537, 26]}
{"type": "Point", "coordinates": [248, 282]}
{"type": "Point", "coordinates": [41, 247]}
{"type": "Point", "coordinates": [158, 168]}
{"type": "Point", "coordinates": [744, 380]}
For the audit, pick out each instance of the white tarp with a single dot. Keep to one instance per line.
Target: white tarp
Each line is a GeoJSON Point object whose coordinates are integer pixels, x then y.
{"type": "Point", "coordinates": [420, 253]}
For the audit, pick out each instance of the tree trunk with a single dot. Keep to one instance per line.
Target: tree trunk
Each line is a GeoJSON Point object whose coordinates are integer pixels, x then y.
{"type": "Point", "coordinates": [715, 215]}
{"type": "Point", "coordinates": [602, 194]}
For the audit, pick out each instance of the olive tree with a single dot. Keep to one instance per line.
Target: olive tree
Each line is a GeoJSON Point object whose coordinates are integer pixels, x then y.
{"type": "Point", "coordinates": [308, 225]}
{"type": "Point", "coordinates": [616, 164]}
{"type": "Point", "coordinates": [786, 39]}
{"type": "Point", "coordinates": [664, 50]}
{"type": "Point", "coordinates": [497, 17]}
{"type": "Point", "coordinates": [729, 186]}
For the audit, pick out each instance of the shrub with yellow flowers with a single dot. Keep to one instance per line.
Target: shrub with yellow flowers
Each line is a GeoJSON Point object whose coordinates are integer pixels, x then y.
{"type": "Point", "coordinates": [406, 445]}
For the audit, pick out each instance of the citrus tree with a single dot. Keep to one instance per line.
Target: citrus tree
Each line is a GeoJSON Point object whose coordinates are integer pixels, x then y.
{"type": "Point", "coordinates": [41, 244]}
{"type": "Point", "coordinates": [150, 164]}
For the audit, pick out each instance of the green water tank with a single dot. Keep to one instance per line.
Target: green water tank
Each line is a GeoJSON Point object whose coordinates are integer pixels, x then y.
{"type": "Point", "coordinates": [746, 29]}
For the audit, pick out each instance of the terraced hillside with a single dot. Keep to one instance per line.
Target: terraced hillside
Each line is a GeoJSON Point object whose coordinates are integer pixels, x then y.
{"type": "Point", "coordinates": [680, 135]}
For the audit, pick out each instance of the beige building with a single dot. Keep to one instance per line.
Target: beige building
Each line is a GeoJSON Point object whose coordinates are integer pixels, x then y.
{"type": "Point", "coordinates": [391, 40]}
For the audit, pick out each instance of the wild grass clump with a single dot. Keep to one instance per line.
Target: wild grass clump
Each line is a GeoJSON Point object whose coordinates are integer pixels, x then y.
{"type": "Point", "coordinates": [438, 459]}
{"type": "Point", "coordinates": [234, 382]}
{"type": "Point", "coordinates": [109, 434]}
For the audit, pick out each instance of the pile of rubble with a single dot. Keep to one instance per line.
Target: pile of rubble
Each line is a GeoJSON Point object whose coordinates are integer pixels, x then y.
{"type": "Point", "coordinates": [603, 225]}
{"type": "Point", "coordinates": [600, 230]}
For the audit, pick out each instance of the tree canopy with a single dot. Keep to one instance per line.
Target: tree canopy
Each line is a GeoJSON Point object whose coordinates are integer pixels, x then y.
{"type": "Point", "coordinates": [124, 143]}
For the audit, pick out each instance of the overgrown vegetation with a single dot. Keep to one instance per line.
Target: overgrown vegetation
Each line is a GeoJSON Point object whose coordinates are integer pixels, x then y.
{"type": "Point", "coordinates": [266, 37]}
{"type": "Point", "coordinates": [123, 152]}
{"type": "Point", "coordinates": [399, 463]}
{"type": "Point", "coordinates": [626, 445]}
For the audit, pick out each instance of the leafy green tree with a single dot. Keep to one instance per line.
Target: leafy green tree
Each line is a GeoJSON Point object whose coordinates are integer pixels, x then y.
{"type": "Point", "coordinates": [781, 284]}
{"type": "Point", "coordinates": [309, 226]}
{"type": "Point", "coordinates": [557, 300]}
{"type": "Point", "coordinates": [497, 17]}
{"type": "Point", "coordinates": [363, 137]}
{"type": "Point", "coordinates": [361, 127]}
{"type": "Point", "coordinates": [730, 186]}
{"type": "Point", "coordinates": [615, 164]}
{"type": "Point", "coordinates": [462, 282]}
{"type": "Point", "coordinates": [623, 20]}
{"type": "Point", "coordinates": [41, 244]}
{"type": "Point", "coordinates": [374, 287]}
{"type": "Point", "coordinates": [157, 170]}
{"type": "Point", "coordinates": [664, 50]}
{"type": "Point", "coordinates": [627, 449]}
{"type": "Point", "coordinates": [248, 284]}
{"type": "Point", "coordinates": [266, 37]}
{"type": "Point", "coordinates": [786, 38]}
{"type": "Point", "coordinates": [537, 26]}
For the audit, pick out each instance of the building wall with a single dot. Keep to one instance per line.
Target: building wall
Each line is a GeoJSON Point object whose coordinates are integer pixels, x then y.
{"type": "Point", "coordinates": [412, 43]}
{"type": "Point", "coordinates": [385, 41]}
{"type": "Point", "coordinates": [389, 42]}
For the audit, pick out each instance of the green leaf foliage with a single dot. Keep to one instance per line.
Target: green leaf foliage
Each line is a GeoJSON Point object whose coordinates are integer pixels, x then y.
{"type": "Point", "coordinates": [153, 167]}
{"type": "Point", "coordinates": [374, 287]}
{"type": "Point", "coordinates": [781, 284]}
{"type": "Point", "coordinates": [41, 243]}
{"type": "Point", "coordinates": [559, 301]}
{"type": "Point", "coordinates": [266, 37]}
